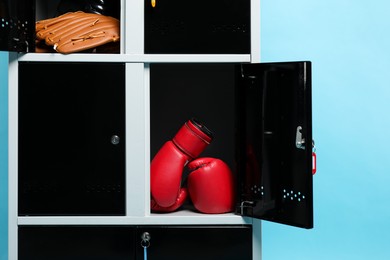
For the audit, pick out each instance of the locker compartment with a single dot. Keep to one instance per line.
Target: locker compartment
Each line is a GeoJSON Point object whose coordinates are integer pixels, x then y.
{"type": "Point", "coordinates": [255, 112]}
{"type": "Point", "coordinates": [18, 17]}
{"type": "Point", "coordinates": [225, 242]}
{"type": "Point", "coordinates": [71, 139]}
{"type": "Point", "coordinates": [179, 92]}
{"type": "Point", "coordinates": [197, 27]}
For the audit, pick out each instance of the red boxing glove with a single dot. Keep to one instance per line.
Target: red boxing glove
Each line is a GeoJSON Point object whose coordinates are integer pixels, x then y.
{"type": "Point", "coordinates": [181, 198]}
{"type": "Point", "coordinates": [211, 186]}
{"type": "Point", "coordinates": [167, 166]}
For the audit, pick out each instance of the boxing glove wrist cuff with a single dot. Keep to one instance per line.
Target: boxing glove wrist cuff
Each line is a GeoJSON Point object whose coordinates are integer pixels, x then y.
{"type": "Point", "coordinates": [192, 138]}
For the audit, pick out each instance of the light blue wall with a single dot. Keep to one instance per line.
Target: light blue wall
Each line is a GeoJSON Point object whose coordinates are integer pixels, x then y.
{"type": "Point", "coordinates": [348, 42]}
{"type": "Point", "coordinates": [3, 155]}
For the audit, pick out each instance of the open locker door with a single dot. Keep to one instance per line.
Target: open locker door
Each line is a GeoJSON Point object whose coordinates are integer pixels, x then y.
{"type": "Point", "coordinates": [17, 25]}
{"type": "Point", "coordinates": [274, 135]}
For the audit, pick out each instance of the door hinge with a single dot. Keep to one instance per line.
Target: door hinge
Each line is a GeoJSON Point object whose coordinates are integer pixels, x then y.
{"type": "Point", "coordinates": [246, 204]}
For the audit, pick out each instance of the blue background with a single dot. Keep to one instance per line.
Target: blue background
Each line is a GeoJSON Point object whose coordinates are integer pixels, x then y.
{"type": "Point", "coordinates": [348, 42]}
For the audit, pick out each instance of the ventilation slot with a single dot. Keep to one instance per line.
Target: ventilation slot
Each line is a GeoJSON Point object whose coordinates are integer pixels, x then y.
{"type": "Point", "coordinates": [291, 195]}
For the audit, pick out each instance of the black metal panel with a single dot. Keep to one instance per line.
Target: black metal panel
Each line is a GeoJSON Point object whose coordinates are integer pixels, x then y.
{"type": "Point", "coordinates": [197, 27]}
{"type": "Point", "coordinates": [68, 113]}
{"type": "Point", "coordinates": [196, 242]}
{"type": "Point", "coordinates": [274, 100]}
{"type": "Point", "coordinates": [75, 242]}
{"type": "Point", "coordinates": [17, 25]}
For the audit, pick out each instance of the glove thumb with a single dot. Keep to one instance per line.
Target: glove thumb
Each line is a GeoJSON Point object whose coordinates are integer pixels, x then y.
{"type": "Point", "coordinates": [200, 163]}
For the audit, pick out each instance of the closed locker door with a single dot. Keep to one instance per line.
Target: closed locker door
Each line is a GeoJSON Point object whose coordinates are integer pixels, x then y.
{"type": "Point", "coordinates": [195, 242]}
{"type": "Point", "coordinates": [197, 27]}
{"type": "Point", "coordinates": [76, 243]}
{"type": "Point", "coordinates": [71, 138]}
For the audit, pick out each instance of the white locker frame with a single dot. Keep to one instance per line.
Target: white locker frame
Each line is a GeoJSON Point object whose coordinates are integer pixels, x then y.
{"type": "Point", "coordinates": [137, 110]}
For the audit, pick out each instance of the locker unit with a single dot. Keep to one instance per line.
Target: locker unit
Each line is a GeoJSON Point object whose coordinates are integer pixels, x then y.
{"type": "Point", "coordinates": [84, 127]}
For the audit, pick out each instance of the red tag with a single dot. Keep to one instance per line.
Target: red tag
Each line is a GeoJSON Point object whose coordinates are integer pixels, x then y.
{"type": "Point", "coordinates": [314, 169]}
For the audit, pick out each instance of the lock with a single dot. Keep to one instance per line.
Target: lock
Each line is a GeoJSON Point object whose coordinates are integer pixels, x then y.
{"type": "Point", "coordinates": [145, 240]}
{"type": "Point", "coordinates": [115, 139]}
{"type": "Point", "coordinates": [145, 237]}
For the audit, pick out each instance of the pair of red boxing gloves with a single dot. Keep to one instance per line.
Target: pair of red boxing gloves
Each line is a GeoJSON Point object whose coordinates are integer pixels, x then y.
{"type": "Point", "coordinates": [210, 184]}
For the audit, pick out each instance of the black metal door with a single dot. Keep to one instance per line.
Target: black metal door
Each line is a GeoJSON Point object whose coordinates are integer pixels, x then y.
{"type": "Point", "coordinates": [71, 138]}
{"type": "Point", "coordinates": [195, 242]}
{"type": "Point", "coordinates": [197, 27]}
{"type": "Point", "coordinates": [274, 149]}
{"type": "Point", "coordinates": [76, 243]}
{"type": "Point", "coordinates": [17, 25]}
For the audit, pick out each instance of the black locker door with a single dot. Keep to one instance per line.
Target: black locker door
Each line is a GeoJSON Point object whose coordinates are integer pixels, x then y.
{"type": "Point", "coordinates": [195, 242]}
{"type": "Point", "coordinates": [76, 243]}
{"type": "Point", "coordinates": [197, 27]}
{"type": "Point", "coordinates": [17, 25]}
{"type": "Point", "coordinates": [71, 138]}
{"type": "Point", "coordinates": [274, 143]}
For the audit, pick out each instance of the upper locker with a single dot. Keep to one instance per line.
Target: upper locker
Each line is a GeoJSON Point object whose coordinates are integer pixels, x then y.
{"type": "Point", "coordinates": [274, 144]}
{"type": "Point", "coordinates": [17, 25]}
{"type": "Point", "coordinates": [168, 27]}
{"type": "Point", "coordinates": [18, 31]}
{"type": "Point", "coordinates": [197, 27]}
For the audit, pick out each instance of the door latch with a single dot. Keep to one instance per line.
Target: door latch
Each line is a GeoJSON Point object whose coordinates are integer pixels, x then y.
{"type": "Point", "coordinates": [299, 139]}
{"type": "Point", "coordinates": [300, 144]}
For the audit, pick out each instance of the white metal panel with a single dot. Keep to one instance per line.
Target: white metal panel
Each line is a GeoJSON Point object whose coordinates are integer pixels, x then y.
{"type": "Point", "coordinates": [133, 58]}
{"type": "Point", "coordinates": [147, 195]}
{"type": "Point", "coordinates": [256, 239]}
{"type": "Point", "coordinates": [12, 156]}
{"type": "Point", "coordinates": [137, 160]}
{"type": "Point", "coordinates": [255, 31]}
{"type": "Point", "coordinates": [182, 217]}
{"type": "Point", "coordinates": [133, 26]}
